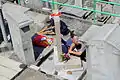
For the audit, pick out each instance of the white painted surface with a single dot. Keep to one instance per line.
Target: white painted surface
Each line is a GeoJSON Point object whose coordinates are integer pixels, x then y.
{"type": "Point", "coordinates": [18, 22]}
{"type": "Point", "coordinates": [104, 53]}
{"type": "Point", "coordinates": [48, 66]}
{"type": "Point", "coordinates": [72, 64]}
{"type": "Point", "coordinates": [79, 3]}
{"type": "Point", "coordinates": [10, 64]}
{"type": "Point", "coordinates": [2, 25]}
{"type": "Point", "coordinates": [34, 67]}
{"type": "Point", "coordinates": [9, 73]}
{"type": "Point", "coordinates": [8, 68]}
{"type": "Point", "coordinates": [22, 9]}
{"type": "Point", "coordinates": [74, 76]}
{"type": "Point", "coordinates": [3, 78]}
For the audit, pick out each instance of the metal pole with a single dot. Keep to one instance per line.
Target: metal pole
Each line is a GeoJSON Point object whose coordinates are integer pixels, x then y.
{"type": "Point", "coordinates": [2, 25]}
{"type": "Point", "coordinates": [94, 7]}
{"type": "Point", "coordinates": [53, 7]}
{"type": "Point", "coordinates": [18, 2]}
{"type": "Point", "coordinates": [57, 31]}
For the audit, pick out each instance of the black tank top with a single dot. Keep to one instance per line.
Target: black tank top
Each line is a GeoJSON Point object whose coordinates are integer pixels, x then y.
{"type": "Point", "coordinates": [78, 46]}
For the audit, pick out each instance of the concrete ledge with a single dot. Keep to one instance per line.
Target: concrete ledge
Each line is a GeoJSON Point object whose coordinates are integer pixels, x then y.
{"type": "Point", "coordinates": [73, 64]}
{"type": "Point", "coordinates": [8, 68]}
{"type": "Point", "coordinates": [34, 67]}
{"type": "Point", "coordinates": [5, 47]}
{"type": "Point", "coordinates": [45, 52]}
{"type": "Point", "coordinates": [48, 66]}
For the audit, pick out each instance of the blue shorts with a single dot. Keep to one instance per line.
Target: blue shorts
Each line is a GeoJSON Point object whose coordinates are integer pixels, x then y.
{"type": "Point", "coordinates": [66, 45]}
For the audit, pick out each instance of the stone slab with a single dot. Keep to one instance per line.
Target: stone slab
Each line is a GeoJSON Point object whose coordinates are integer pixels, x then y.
{"type": "Point", "coordinates": [6, 54]}
{"type": "Point", "coordinates": [74, 76]}
{"type": "Point", "coordinates": [4, 47]}
{"type": "Point", "coordinates": [13, 7]}
{"type": "Point", "coordinates": [8, 68]}
{"type": "Point", "coordinates": [39, 20]}
{"type": "Point", "coordinates": [73, 63]}
{"type": "Point", "coordinates": [3, 78]}
{"type": "Point", "coordinates": [16, 12]}
{"type": "Point", "coordinates": [30, 74]}
{"type": "Point", "coordinates": [7, 72]}
{"type": "Point", "coordinates": [48, 66]}
{"type": "Point", "coordinates": [9, 63]}
{"type": "Point", "coordinates": [73, 11]}
{"type": "Point", "coordinates": [34, 67]}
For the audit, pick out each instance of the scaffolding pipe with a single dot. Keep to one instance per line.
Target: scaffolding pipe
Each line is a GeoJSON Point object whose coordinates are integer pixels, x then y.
{"type": "Point", "coordinates": [73, 6]}
{"type": "Point", "coordinates": [19, 2]}
{"type": "Point", "coordinates": [53, 6]}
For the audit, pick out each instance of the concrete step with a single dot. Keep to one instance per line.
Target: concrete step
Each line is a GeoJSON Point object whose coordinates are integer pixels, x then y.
{"type": "Point", "coordinates": [4, 47]}
{"type": "Point", "coordinates": [7, 54]}
{"type": "Point", "coordinates": [8, 68]}
{"type": "Point", "coordinates": [73, 63]}
{"type": "Point", "coordinates": [30, 74]}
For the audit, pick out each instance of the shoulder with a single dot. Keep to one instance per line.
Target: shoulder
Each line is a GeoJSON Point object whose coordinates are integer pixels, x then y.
{"type": "Point", "coordinates": [72, 44]}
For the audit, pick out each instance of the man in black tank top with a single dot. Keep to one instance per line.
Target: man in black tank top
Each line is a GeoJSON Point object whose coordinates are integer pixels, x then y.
{"type": "Point", "coordinates": [77, 48]}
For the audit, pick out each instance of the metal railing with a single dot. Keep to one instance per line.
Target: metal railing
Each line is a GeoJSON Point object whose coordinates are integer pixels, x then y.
{"type": "Point", "coordinates": [82, 8]}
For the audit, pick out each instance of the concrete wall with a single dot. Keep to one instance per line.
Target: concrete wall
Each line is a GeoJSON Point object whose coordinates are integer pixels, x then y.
{"type": "Point", "coordinates": [20, 33]}
{"type": "Point", "coordinates": [103, 61]}
{"type": "Point", "coordinates": [36, 4]}
{"type": "Point", "coordinates": [117, 8]}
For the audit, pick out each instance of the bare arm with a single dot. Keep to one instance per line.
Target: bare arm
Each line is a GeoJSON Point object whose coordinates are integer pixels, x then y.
{"type": "Point", "coordinates": [73, 52]}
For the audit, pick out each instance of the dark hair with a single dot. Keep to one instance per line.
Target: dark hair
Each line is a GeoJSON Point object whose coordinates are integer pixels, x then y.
{"type": "Point", "coordinates": [72, 34]}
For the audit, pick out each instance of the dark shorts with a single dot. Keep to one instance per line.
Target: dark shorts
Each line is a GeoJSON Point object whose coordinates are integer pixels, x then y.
{"type": "Point", "coordinates": [34, 36]}
{"type": "Point", "coordinates": [83, 56]}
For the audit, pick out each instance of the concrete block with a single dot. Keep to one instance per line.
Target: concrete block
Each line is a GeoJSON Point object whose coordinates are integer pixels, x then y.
{"type": "Point", "coordinates": [7, 54]}
{"type": "Point", "coordinates": [27, 33]}
{"type": "Point", "coordinates": [30, 74]}
{"type": "Point", "coordinates": [36, 4]}
{"type": "Point", "coordinates": [3, 78]}
{"type": "Point", "coordinates": [34, 67]}
{"type": "Point", "coordinates": [117, 20]}
{"type": "Point", "coordinates": [48, 66]}
{"type": "Point", "coordinates": [9, 73]}
{"type": "Point", "coordinates": [24, 38]}
{"type": "Point", "coordinates": [4, 47]}
{"type": "Point", "coordinates": [74, 76]}
{"type": "Point", "coordinates": [9, 63]}
{"type": "Point", "coordinates": [39, 20]}
{"type": "Point", "coordinates": [14, 7]}
{"type": "Point", "coordinates": [79, 3]}
{"type": "Point", "coordinates": [74, 11]}
{"type": "Point", "coordinates": [73, 63]}
{"type": "Point", "coordinates": [47, 50]}
{"type": "Point", "coordinates": [26, 44]}
{"type": "Point", "coordinates": [19, 27]}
